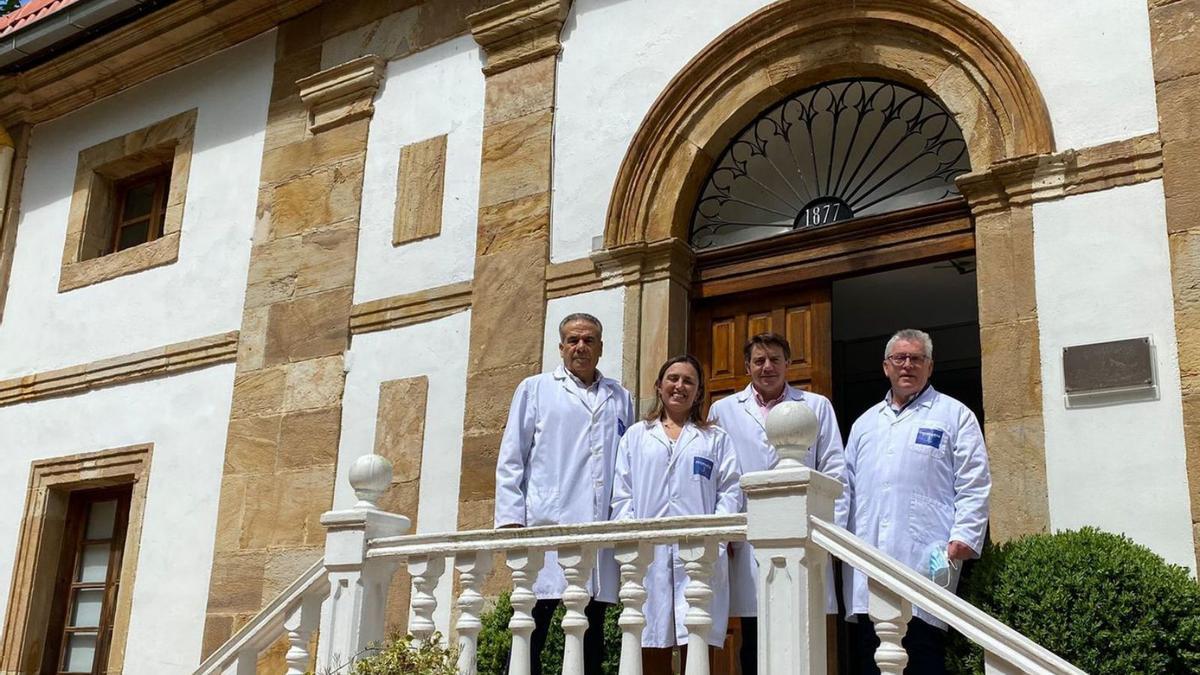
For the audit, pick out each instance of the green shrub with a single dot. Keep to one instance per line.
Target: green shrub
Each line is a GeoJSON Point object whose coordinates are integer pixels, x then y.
{"type": "Point", "coordinates": [1098, 600]}
{"type": "Point", "coordinates": [398, 656]}
{"type": "Point", "coordinates": [495, 640]}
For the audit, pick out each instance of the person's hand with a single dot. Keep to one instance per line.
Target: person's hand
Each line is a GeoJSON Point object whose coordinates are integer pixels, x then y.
{"type": "Point", "coordinates": [510, 526]}
{"type": "Point", "coordinates": [959, 551]}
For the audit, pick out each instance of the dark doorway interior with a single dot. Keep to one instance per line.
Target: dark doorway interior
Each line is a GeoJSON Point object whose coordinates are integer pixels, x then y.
{"type": "Point", "coordinates": [939, 298]}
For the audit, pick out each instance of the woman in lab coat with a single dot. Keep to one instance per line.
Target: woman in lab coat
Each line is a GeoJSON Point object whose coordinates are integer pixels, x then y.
{"type": "Point", "coordinates": [676, 463]}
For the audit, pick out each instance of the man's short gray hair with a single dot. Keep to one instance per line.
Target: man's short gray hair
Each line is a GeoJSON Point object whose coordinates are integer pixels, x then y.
{"type": "Point", "coordinates": [579, 316]}
{"type": "Point", "coordinates": [910, 335]}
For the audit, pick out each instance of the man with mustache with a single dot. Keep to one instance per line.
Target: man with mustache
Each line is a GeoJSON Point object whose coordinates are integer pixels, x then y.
{"type": "Point", "coordinates": [555, 467]}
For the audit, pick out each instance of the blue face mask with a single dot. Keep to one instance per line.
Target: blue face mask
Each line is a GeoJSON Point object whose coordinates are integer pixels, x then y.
{"type": "Point", "coordinates": [942, 570]}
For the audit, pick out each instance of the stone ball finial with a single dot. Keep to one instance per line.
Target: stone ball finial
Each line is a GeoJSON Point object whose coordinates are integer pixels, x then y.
{"type": "Point", "coordinates": [792, 428]}
{"type": "Point", "coordinates": [370, 476]}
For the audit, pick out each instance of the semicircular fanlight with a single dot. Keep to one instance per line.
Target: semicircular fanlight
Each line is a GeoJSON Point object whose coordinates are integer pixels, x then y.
{"type": "Point", "coordinates": [837, 151]}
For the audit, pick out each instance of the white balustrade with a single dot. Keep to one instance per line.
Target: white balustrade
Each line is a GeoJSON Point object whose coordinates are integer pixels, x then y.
{"type": "Point", "coordinates": [524, 563]}
{"type": "Point", "coordinates": [634, 558]}
{"type": "Point", "coordinates": [576, 563]}
{"type": "Point", "coordinates": [292, 614]}
{"type": "Point", "coordinates": [472, 569]}
{"type": "Point", "coordinates": [890, 613]}
{"type": "Point", "coordinates": [788, 520]}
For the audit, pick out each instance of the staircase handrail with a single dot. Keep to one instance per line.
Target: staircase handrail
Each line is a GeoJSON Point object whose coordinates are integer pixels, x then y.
{"type": "Point", "coordinates": [655, 530]}
{"type": "Point", "coordinates": [976, 625]}
{"type": "Point", "coordinates": [267, 626]}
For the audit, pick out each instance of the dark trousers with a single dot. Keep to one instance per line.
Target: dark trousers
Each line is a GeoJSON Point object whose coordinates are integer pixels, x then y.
{"type": "Point", "coordinates": [748, 654]}
{"type": "Point", "coordinates": [925, 644]}
{"type": "Point", "coordinates": [593, 639]}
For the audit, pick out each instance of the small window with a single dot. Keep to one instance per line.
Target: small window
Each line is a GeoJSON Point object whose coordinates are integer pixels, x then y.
{"type": "Point", "coordinates": [141, 209]}
{"type": "Point", "coordinates": [129, 194]}
{"type": "Point", "coordinates": [81, 617]}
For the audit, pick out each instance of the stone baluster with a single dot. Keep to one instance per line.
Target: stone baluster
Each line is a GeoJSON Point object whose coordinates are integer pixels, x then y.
{"type": "Point", "coordinates": [426, 571]}
{"type": "Point", "coordinates": [890, 614]}
{"type": "Point", "coordinates": [791, 569]}
{"type": "Point", "coordinates": [525, 564]}
{"type": "Point", "coordinates": [299, 625]}
{"type": "Point", "coordinates": [472, 569]}
{"type": "Point", "coordinates": [355, 609]}
{"type": "Point", "coordinates": [698, 557]}
{"type": "Point", "coordinates": [634, 558]}
{"type": "Point", "coordinates": [577, 563]}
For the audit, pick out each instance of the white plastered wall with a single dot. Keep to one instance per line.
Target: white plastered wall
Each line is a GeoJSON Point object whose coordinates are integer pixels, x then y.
{"type": "Point", "coordinates": [607, 305]}
{"type": "Point", "coordinates": [617, 58]}
{"type": "Point", "coordinates": [1103, 272]}
{"type": "Point", "coordinates": [433, 92]}
{"type": "Point", "coordinates": [202, 292]}
{"type": "Point", "coordinates": [438, 350]}
{"type": "Point", "coordinates": [1090, 59]}
{"type": "Point", "coordinates": [186, 418]}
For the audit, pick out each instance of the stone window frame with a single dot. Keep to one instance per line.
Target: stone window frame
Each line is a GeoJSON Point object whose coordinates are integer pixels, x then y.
{"type": "Point", "coordinates": [98, 171]}
{"type": "Point", "coordinates": [35, 567]}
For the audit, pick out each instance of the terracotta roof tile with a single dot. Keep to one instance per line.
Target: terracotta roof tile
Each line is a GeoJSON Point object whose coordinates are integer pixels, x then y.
{"type": "Point", "coordinates": [31, 13]}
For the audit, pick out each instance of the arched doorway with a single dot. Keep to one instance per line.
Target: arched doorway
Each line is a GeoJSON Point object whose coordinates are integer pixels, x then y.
{"type": "Point", "coordinates": [938, 48]}
{"type": "Point", "coordinates": [838, 180]}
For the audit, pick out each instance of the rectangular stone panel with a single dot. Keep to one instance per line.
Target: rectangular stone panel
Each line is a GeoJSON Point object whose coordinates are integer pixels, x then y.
{"type": "Point", "coordinates": [420, 185]}
{"type": "Point", "coordinates": [400, 436]}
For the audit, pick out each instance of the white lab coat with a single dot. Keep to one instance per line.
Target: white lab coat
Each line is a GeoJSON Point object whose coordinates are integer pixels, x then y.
{"type": "Point", "coordinates": [740, 417]}
{"type": "Point", "coordinates": [556, 466]}
{"type": "Point", "coordinates": [698, 476]}
{"type": "Point", "coordinates": [916, 479]}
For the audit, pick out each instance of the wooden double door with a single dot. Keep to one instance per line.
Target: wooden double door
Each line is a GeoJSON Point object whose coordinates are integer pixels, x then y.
{"type": "Point", "coordinates": [721, 326]}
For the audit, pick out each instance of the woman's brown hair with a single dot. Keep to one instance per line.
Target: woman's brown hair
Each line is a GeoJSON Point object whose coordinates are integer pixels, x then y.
{"type": "Point", "coordinates": [694, 416]}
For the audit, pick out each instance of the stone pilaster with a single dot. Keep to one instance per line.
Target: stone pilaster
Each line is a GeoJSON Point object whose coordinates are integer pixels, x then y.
{"type": "Point", "coordinates": [1176, 52]}
{"type": "Point", "coordinates": [284, 427]}
{"type": "Point", "coordinates": [1008, 333]}
{"type": "Point", "coordinates": [521, 42]}
{"type": "Point", "coordinates": [657, 279]}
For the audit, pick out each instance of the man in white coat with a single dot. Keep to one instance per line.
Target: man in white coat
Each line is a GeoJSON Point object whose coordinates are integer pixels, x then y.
{"type": "Point", "coordinates": [918, 474]}
{"type": "Point", "coordinates": [556, 467]}
{"type": "Point", "coordinates": [743, 416]}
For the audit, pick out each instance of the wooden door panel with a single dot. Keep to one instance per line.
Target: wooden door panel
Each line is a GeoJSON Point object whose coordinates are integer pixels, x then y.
{"type": "Point", "coordinates": [724, 361]}
{"type": "Point", "coordinates": [722, 325]}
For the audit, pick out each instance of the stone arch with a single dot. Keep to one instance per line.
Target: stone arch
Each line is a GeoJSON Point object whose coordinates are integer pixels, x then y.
{"type": "Point", "coordinates": [936, 46]}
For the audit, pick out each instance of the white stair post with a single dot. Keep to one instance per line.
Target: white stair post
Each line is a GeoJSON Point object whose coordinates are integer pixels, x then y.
{"type": "Point", "coordinates": [576, 563]}
{"type": "Point", "coordinates": [698, 557]}
{"type": "Point", "coordinates": [890, 614]}
{"type": "Point", "coordinates": [634, 558]}
{"type": "Point", "coordinates": [525, 564]}
{"type": "Point", "coordinates": [791, 570]}
{"type": "Point", "coordinates": [472, 569]}
{"type": "Point", "coordinates": [354, 613]}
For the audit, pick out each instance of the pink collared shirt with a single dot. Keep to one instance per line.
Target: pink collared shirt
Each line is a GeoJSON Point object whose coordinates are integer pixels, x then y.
{"type": "Point", "coordinates": [764, 407]}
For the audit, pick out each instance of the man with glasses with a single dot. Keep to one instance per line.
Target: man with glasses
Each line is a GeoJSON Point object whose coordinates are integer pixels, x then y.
{"type": "Point", "coordinates": [917, 471]}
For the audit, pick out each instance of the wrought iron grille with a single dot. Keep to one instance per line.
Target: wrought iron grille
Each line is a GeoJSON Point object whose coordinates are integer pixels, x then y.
{"type": "Point", "coordinates": [837, 151]}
